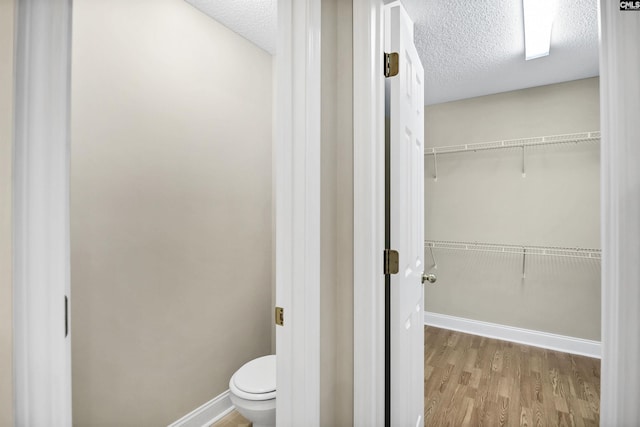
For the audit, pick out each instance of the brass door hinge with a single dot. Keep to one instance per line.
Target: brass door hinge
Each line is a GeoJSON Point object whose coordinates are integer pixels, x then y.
{"type": "Point", "coordinates": [391, 261]}
{"type": "Point", "coordinates": [280, 316]}
{"type": "Point", "coordinates": [391, 64]}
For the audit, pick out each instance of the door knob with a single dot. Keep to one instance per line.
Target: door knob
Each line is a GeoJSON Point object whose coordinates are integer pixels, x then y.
{"type": "Point", "coordinates": [431, 278]}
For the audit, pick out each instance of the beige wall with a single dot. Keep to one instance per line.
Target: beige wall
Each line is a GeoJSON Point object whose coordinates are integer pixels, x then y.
{"type": "Point", "coordinates": [6, 136]}
{"type": "Point", "coordinates": [483, 197]}
{"type": "Point", "coordinates": [344, 213]}
{"type": "Point", "coordinates": [336, 353]}
{"type": "Point", "coordinates": [170, 210]}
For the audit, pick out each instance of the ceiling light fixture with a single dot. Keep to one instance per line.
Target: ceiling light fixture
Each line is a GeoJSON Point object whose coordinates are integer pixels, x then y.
{"type": "Point", "coordinates": [538, 19]}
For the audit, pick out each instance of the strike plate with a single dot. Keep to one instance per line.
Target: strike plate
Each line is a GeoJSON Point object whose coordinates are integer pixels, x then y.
{"type": "Point", "coordinates": [280, 316]}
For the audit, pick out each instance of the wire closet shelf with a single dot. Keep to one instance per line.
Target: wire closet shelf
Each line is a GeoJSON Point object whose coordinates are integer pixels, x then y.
{"type": "Point", "coordinates": [524, 251]}
{"type": "Point", "coordinates": [516, 249]}
{"type": "Point", "coordinates": [517, 143]}
{"type": "Point", "coordinates": [521, 143]}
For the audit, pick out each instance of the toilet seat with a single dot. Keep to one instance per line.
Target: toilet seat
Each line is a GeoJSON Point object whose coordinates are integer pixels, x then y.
{"type": "Point", "coordinates": [255, 380]}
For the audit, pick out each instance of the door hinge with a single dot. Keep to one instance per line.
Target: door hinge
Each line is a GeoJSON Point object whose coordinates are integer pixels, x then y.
{"type": "Point", "coordinates": [391, 64]}
{"type": "Point", "coordinates": [280, 316]}
{"type": "Point", "coordinates": [391, 261]}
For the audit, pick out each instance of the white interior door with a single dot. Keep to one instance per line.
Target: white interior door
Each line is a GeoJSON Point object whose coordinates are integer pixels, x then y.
{"type": "Point", "coordinates": [406, 221]}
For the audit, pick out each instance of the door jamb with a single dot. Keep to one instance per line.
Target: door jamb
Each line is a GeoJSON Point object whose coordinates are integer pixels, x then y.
{"type": "Point", "coordinates": [41, 345]}
{"type": "Point", "coordinates": [297, 207]}
{"type": "Point", "coordinates": [619, 62]}
{"type": "Point", "coordinates": [368, 205]}
{"type": "Point", "coordinates": [620, 210]}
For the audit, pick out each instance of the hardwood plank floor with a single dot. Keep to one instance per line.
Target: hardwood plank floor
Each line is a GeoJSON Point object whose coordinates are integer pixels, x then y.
{"type": "Point", "coordinates": [233, 419]}
{"type": "Point", "coordinates": [477, 381]}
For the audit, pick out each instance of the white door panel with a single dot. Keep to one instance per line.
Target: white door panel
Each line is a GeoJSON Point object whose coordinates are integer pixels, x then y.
{"type": "Point", "coordinates": [406, 152]}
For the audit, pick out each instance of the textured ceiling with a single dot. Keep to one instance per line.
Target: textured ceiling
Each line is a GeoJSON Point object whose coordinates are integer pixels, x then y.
{"type": "Point", "coordinates": [255, 20]}
{"type": "Point", "coordinates": [474, 48]}
{"type": "Point", "coordinates": [468, 48]}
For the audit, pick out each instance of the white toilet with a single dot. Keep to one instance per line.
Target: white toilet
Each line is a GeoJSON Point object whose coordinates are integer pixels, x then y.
{"type": "Point", "coordinates": [253, 391]}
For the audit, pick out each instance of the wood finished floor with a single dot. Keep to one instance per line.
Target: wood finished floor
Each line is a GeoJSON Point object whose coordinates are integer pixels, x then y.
{"type": "Point", "coordinates": [476, 381]}
{"type": "Point", "coordinates": [233, 419]}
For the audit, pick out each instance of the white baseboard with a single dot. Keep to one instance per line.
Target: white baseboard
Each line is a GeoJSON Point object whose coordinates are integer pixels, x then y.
{"type": "Point", "coordinates": [208, 413]}
{"type": "Point", "coordinates": [508, 333]}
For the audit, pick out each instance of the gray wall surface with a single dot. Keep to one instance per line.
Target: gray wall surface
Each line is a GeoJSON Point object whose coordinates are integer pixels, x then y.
{"type": "Point", "coordinates": [7, 8]}
{"type": "Point", "coordinates": [482, 197]}
{"type": "Point", "coordinates": [170, 210]}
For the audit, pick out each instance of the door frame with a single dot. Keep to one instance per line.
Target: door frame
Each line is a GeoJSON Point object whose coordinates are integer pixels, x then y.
{"type": "Point", "coordinates": [41, 363]}
{"type": "Point", "coordinates": [620, 233]}
{"type": "Point", "coordinates": [297, 212]}
{"type": "Point", "coordinates": [369, 215]}
{"type": "Point", "coordinates": [619, 62]}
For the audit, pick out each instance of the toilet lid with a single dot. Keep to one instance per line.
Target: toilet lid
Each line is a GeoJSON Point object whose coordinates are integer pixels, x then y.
{"type": "Point", "coordinates": [257, 376]}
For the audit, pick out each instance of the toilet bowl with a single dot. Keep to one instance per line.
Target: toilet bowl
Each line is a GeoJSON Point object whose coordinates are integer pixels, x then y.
{"type": "Point", "coordinates": [253, 391]}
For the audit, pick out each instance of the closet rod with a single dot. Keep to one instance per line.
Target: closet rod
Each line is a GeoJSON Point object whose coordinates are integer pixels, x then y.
{"type": "Point", "coordinates": [515, 249]}
{"type": "Point", "coordinates": [511, 143]}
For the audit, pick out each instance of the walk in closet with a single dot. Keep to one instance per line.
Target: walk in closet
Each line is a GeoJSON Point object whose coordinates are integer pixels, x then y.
{"type": "Point", "coordinates": [512, 210]}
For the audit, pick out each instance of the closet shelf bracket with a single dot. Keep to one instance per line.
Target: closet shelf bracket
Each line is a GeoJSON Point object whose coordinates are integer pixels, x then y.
{"type": "Point", "coordinates": [433, 257]}
{"type": "Point", "coordinates": [435, 166]}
